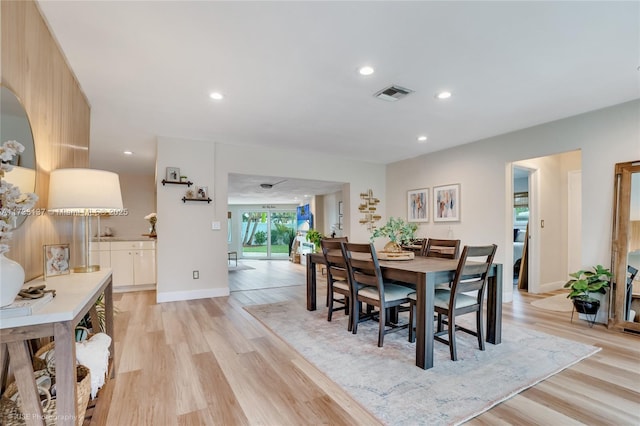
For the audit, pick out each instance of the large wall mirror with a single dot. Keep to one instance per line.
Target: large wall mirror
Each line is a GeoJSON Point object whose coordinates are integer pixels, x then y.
{"type": "Point", "coordinates": [626, 246]}
{"type": "Point", "coordinates": [14, 125]}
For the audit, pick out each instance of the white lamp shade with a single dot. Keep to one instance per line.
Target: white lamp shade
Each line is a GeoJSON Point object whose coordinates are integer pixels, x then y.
{"type": "Point", "coordinates": [73, 191]}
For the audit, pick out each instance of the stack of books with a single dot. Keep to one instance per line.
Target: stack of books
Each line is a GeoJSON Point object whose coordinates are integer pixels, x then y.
{"type": "Point", "coordinates": [21, 307]}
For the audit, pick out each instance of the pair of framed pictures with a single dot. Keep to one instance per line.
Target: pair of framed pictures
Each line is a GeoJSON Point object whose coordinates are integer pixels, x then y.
{"type": "Point", "coordinates": [199, 192]}
{"type": "Point", "coordinates": [56, 260]}
{"type": "Point", "coordinates": [446, 204]}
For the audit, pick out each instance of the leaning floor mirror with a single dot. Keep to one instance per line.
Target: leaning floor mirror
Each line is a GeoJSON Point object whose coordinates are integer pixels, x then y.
{"type": "Point", "coordinates": [626, 247]}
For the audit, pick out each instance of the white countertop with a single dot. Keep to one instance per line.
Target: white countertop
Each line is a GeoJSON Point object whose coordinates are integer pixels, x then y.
{"type": "Point", "coordinates": [73, 292]}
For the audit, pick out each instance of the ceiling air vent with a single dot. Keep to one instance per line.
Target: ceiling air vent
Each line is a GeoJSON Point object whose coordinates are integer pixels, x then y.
{"type": "Point", "coordinates": [392, 93]}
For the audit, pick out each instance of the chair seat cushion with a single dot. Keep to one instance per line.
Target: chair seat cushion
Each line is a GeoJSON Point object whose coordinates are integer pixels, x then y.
{"type": "Point", "coordinates": [391, 292]}
{"type": "Point", "coordinates": [462, 300]}
{"type": "Point", "coordinates": [341, 285]}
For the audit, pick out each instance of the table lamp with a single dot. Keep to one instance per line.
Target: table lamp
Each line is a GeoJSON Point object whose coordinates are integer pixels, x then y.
{"type": "Point", "coordinates": [84, 192]}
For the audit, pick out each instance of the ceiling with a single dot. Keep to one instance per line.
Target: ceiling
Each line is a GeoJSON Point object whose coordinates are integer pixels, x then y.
{"type": "Point", "coordinates": [288, 72]}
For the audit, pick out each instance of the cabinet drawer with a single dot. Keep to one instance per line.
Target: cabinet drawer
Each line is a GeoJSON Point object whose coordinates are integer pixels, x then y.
{"type": "Point", "coordinates": [102, 245]}
{"type": "Point", "coordinates": [135, 245]}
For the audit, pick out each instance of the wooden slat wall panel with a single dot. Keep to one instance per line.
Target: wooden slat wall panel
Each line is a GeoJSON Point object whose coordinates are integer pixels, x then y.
{"type": "Point", "coordinates": [36, 71]}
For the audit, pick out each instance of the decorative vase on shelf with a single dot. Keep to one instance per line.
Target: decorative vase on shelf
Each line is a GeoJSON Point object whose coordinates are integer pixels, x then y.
{"type": "Point", "coordinates": [152, 231]}
{"type": "Point", "coordinates": [11, 279]}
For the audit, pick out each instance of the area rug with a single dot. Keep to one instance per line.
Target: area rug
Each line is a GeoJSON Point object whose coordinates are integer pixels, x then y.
{"type": "Point", "coordinates": [239, 267]}
{"type": "Point", "coordinates": [558, 303]}
{"type": "Point", "coordinates": [387, 382]}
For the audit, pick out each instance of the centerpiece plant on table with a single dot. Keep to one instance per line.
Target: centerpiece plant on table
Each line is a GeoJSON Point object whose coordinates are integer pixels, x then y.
{"type": "Point", "coordinates": [398, 231]}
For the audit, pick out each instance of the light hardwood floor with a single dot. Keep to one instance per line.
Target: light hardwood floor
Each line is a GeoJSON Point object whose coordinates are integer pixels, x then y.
{"type": "Point", "coordinates": [208, 362]}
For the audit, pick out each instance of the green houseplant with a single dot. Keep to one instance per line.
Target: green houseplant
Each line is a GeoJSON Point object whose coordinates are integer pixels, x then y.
{"type": "Point", "coordinates": [585, 282]}
{"type": "Point", "coordinates": [314, 237]}
{"type": "Point", "coordinates": [398, 231]}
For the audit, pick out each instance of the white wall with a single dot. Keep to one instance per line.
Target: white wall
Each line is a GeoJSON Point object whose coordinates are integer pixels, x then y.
{"type": "Point", "coordinates": [139, 198]}
{"type": "Point", "coordinates": [605, 137]}
{"type": "Point", "coordinates": [186, 241]}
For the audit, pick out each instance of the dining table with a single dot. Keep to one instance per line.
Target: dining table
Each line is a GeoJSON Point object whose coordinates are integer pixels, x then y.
{"type": "Point", "coordinates": [425, 273]}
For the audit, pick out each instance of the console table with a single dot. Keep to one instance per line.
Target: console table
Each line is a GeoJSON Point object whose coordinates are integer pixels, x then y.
{"type": "Point", "coordinates": [76, 294]}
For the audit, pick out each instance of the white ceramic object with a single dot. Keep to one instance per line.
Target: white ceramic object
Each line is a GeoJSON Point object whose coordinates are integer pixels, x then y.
{"type": "Point", "coordinates": [11, 280]}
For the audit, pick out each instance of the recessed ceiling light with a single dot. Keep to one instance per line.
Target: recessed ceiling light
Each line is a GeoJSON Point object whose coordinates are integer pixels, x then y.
{"type": "Point", "coordinates": [443, 95]}
{"type": "Point", "coordinates": [128, 152]}
{"type": "Point", "coordinates": [366, 70]}
{"type": "Point", "coordinates": [422, 138]}
{"type": "Point", "coordinates": [216, 96]}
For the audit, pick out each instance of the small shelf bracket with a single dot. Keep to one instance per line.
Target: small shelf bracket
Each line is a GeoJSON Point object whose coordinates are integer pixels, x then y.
{"type": "Point", "coordinates": [188, 183]}
{"type": "Point", "coordinates": [185, 199]}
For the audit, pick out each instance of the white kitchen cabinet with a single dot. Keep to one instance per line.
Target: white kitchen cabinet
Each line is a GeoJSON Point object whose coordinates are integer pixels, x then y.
{"type": "Point", "coordinates": [100, 254]}
{"type": "Point", "coordinates": [133, 262]}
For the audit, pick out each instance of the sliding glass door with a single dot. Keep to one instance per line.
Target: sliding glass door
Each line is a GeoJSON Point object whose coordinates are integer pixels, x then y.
{"type": "Point", "coordinates": [267, 234]}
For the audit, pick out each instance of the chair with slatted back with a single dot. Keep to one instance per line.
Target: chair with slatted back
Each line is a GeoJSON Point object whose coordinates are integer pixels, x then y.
{"type": "Point", "coordinates": [631, 275]}
{"type": "Point", "coordinates": [339, 239]}
{"type": "Point", "coordinates": [470, 277]}
{"type": "Point", "coordinates": [364, 270]}
{"type": "Point", "coordinates": [445, 249]}
{"type": "Point", "coordinates": [338, 282]}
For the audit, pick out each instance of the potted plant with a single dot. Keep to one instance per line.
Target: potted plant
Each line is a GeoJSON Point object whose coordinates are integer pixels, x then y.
{"type": "Point", "coordinates": [398, 231]}
{"type": "Point", "coordinates": [314, 237]}
{"type": "Point", "coordinates": [585, 282]}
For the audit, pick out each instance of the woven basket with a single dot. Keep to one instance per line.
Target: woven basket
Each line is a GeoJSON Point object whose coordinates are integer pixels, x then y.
{"type": "Point", "coordinates": [11, 412]}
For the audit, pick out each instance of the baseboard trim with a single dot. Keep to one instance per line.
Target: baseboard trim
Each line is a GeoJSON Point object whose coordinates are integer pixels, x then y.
{"type": "Point", "coordinates": [175, 296]}
{"type": "Point", "coordinates": [548, 287]}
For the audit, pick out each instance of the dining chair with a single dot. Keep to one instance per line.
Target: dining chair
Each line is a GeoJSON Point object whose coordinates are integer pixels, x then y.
{"type": "Point", "coordinates": [339, 239]}
{"type": "Point", "coordinates": [470, 276]}
{"type": "Point", "coordinates": [631, 275]}
{"type": "Point", "coordinates": [372, 289]}
{"type": "Point", "coordinates": [445, 249]}
{"type": "Point", "coordinates": [338, 280]}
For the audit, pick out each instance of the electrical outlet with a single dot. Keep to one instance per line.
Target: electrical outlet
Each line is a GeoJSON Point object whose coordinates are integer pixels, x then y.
{"type": "Point", "coordinates": [196, 275]}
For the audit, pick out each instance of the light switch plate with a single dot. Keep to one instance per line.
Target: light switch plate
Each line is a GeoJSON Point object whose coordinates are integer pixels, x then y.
{"type": "Point", "coordinates": [215, 225]}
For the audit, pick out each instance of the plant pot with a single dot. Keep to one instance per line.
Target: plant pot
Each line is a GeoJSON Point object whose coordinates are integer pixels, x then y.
{"type": "Point", "coordinates": [392, 247]}
{"type": "Point", "coordinates": [589, 307]}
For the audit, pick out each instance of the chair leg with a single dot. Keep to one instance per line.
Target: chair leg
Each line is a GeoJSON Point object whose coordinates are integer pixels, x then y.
{"type": "Point", "coordinates": [412, 325]}
{"type": "Point", "coordinates": [382, 321]}
{"type": "Point", "coordinates": [439, 325]}
{"type": "Point", "coordinates": [355, 316]}
{"type": "Point", "coordinates": [479, 329]}
{"type": "Point", "coordinates": [330, 305]}
{"type": "Point", "coordinates": [451, 320]}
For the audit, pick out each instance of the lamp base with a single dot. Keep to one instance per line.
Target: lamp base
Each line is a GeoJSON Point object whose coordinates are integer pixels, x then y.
{"type": "Point", "coordinates": [83, 269]}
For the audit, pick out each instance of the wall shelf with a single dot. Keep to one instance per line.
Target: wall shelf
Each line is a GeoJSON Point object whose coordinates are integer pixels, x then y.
{"type": "Point", "coordinates": [185, 199]}
{"type": "Point", "coordinates": [188, 183]}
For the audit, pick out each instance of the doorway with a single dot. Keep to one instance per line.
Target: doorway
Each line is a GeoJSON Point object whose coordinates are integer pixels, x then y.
{"type": "Point", "coordinates": [552, 216]}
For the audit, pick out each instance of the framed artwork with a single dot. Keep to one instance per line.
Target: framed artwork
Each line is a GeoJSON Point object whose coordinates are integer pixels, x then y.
{"type": "Point", "coordinates": [202, 192]}
{"type": "Point", "coordinates": [418, 205]}
{"type": "Point", "coordinates": [446, 203]}
{"type": "Point", "coordinates": [173, 174]}
{"type": "Point", "coordinates": [340, 210]}
{"type": "Point", "coordinates": [56, 260]}
{"type": "Point", "coordinates": [340, 222]}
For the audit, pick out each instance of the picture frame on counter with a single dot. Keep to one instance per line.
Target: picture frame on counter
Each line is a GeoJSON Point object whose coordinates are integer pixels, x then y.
{"type": "Point", "coordinates": [56, 260]}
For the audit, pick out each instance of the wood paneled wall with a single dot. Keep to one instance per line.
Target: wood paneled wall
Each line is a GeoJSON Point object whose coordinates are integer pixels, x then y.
{"type": "Point", "coordinates": [34, 68]}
